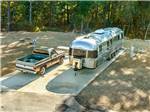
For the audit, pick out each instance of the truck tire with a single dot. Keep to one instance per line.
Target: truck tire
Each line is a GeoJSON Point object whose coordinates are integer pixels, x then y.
{"type": "Point", "coordinates": [42, 71]}
{"type": "Point", "coordinates": [61, 61]}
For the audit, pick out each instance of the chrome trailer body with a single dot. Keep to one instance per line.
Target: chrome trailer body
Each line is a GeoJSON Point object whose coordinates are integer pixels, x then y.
{"type": "Point", "coordinates": [94, 49]}
{"type": "Point", "coordinates": [84, 53]}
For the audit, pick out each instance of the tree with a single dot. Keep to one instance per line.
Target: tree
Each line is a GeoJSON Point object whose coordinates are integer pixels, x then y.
{"type": "Point", "coordinates": [30, 13]}
{"type": "Point", "coordinates": [81, 16]}
{"type": "Point", "coordinates": [8, 15]}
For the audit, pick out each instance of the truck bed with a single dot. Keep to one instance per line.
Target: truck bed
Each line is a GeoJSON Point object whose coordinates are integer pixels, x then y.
{"type": "Point", "coordinates": [33, 58]}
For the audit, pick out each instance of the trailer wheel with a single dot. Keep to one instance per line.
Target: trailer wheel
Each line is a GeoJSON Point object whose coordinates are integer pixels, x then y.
{"type": "Point", "coordinates": [42, 71]}
{"type": "Point", "coordinates": [109, 57]}
{"type": "Point", "coordinates": [112, 55]}
{"type": "Point", "coordinates": [61, 61]}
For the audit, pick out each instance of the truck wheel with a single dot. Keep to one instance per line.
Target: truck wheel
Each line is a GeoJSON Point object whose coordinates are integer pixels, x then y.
{"type": "Point", "coordinates": [61, 61]}
{"type": "Point", "coordinates": [42, 71]}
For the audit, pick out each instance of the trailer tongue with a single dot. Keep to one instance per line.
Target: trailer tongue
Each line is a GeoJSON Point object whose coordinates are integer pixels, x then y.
{"type": "Point", "coordinates": [77, 63]}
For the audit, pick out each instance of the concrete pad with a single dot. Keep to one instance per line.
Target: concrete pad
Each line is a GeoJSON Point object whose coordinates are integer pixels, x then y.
{"type": "Point", "coordinates": [69, 83]}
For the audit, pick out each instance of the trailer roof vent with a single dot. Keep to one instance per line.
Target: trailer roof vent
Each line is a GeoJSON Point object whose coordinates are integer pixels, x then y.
{"type": "Point", "coordinates": [99, 31]}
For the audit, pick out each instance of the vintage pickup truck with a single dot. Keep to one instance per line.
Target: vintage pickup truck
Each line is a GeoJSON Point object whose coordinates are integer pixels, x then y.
{"type": "Point", "coordinates": [39, 60]}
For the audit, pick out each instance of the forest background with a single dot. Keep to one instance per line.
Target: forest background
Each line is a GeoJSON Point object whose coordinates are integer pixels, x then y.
{"type": "Point", "coordinates": [77, 16]}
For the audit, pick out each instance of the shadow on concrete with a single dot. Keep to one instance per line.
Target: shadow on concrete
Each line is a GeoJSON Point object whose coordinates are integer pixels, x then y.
{"type": "Point", "coordinates": [19, 80]}
{"type": "Point", "coordinates": [65, 83]}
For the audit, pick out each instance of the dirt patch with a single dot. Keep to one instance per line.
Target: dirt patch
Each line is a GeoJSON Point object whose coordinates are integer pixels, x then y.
{"type": "Point", "coordinates": [17, 44]}
{"type": "Point", "coordinates": [124, 86]}
{"type": "Point", "coordinates": [13, 101]}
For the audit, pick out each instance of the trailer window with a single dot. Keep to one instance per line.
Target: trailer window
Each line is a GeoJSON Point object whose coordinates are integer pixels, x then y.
{"type": "Point", "coordinates": [100, 48]}
{"type": "Point", "coordinates": [92, 54]}
{"type": "Point", "coordinates": [79, 53]}
{"type": "Point", "coordinates": [122, 35]}
{"type": "Point", "coordinates": [107, 43]}
{"type": "Point", "coordinates": [70, 51]}
{"type": "Point", "coordinates": [111, 42]}
{"type": "Point", "coordinates": [118, 37]}
{"type": "Point", "coordinates": [104, 46]}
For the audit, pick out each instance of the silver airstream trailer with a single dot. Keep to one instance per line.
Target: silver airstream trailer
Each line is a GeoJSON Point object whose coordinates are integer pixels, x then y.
{"type": "Point", "coordinates": [95, 48]}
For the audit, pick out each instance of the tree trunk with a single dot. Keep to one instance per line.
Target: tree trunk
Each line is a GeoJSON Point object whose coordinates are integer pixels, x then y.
{"type": "Point", "coordinates": [8, 15]}
{"type": "Point", "coordinates": [87, 27]}
{"type": "Point", "coordinates": [68, 15]}
{"type": "Point", "coordinates": [109, 13]}
{"type": "Point", "coordinates": [30, 12]}
{"type": "Point", "coordinates": [74, 28]}
{"type": "Point", "coordinates": [53, 12]}
{"type": "Point", "coordinates": [50, 14]}
{"type": "Point", "coordinates": [146, 31]}
{"type": "Point", "coordinates": [82, 25]}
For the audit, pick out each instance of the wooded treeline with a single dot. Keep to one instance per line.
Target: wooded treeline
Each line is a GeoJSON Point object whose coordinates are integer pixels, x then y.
{"type": "Point", "coordinates": [78, 16]}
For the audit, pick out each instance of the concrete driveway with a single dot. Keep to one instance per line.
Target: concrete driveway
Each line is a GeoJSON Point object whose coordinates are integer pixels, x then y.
{"type": "Point", "coordinates": [29, 91]}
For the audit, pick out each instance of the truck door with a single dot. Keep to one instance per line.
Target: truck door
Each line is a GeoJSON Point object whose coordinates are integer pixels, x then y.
{"type": "Point", "coordinates": [54, 56]}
